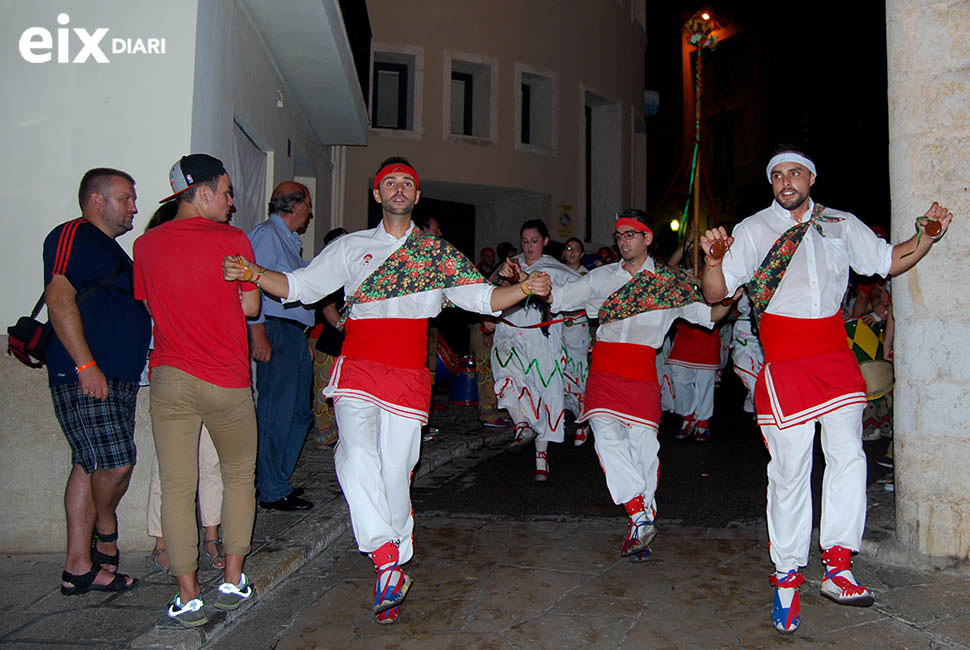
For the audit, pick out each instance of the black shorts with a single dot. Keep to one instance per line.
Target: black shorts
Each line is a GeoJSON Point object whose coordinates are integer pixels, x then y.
{"type": "Point", "coordinates": [101, 433]}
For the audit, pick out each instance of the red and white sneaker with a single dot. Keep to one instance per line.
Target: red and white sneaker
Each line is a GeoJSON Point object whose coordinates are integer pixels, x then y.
{"type": "Point", "coordinates": [391, 586]}
{"type": "Point", "coordinates": [641, 531]}
{"type": "Point", "coordinates": [702, 432]}
{"type": "Point", "coordinates": [524, 434]}
{"type": "Point", "coordinates": [581, 435]}
{"type": "Point", "coordinates": [388, 616]}
{"type": "Point", "coordinates": [542, 467]}
{"type": "Point", "coordinates": [838, 583]}
{"type": "Point", "coordinates": [686, 427]}
{"type": "Point", "coordinates": [786, 611]}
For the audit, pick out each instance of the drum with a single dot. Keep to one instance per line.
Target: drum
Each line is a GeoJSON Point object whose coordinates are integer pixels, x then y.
{"type": "Point", "coordinates": [464, 387]}
{"type": "Point", "coordinates": [867, 344]}
{"type": "Point", "coordinates": [447, 365]}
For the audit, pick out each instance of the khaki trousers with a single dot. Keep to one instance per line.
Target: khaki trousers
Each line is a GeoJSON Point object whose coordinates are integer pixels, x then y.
{"type": "Point", "coordinates": [180, 404]}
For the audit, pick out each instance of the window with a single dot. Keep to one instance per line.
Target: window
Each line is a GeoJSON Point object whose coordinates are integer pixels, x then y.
{"type": "Point", "coordinates": [462, 100]}
{"type": "Point", "coordinates": [392, 101]}
{"type": "Point", "coordinates": [470, 102]}
{"type": "Point", "coordinates": [535, 111]}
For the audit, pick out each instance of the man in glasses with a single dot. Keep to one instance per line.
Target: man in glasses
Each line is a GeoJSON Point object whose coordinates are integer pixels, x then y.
{"type": "Point", "coordinates": [636, 301]}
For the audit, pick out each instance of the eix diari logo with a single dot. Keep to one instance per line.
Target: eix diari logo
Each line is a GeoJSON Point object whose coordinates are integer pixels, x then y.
{"type": "Point", "coordinates": [37, 44]}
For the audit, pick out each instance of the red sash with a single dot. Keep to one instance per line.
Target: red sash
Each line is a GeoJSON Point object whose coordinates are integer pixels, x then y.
{"type": "Point", "coordinates": [398, 342]}
{"type": "Point", "coordinates": [622, 384]}
{"type": "Point", "coordinates": [383, 361]}
{"type": "Point", "coordinates": [696, 347]}
{"type": "Point", "coordinates": [809, 370]}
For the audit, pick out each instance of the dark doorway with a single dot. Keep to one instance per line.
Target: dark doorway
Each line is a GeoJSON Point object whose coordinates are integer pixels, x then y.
{"type": "Point", "coordinates": [457, 221]}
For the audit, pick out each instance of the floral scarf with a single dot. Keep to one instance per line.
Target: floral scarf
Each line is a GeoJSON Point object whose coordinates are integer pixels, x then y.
{"type": "Point", "coordinates": [646, 291]}
{"type": "Point", "coordinates": [765, 281]}
{"type": "Point", "coordinates": [423, 263]}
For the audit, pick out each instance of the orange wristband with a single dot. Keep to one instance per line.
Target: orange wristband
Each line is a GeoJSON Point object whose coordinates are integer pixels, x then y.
{"type": "Point", "coordinates": [85, 366]}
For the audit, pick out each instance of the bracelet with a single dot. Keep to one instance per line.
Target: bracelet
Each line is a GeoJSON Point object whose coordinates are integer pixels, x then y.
{"type": "Point", "coordinates": [707, 262]}
{"type": "Point", "coordinates": [85, 366]}
{"type": "Point", "coordinates": [256, 279]}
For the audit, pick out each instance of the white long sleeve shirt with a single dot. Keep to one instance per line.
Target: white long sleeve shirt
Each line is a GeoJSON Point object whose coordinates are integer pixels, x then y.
{"type": "Point", "coordinates": [647, 328]}
{"type": "Point", "coordinates": [818, 274]}
{"type": "Point", "coordinates": [347, 262]}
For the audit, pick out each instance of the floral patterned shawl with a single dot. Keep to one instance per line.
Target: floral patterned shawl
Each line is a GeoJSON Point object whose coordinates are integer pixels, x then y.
{"type": "Point", "coordinates": [765, 280]}
{"type": "Point", "coordinates": [646, 291]}
{"type": "Point", "coordinates": [423, 263]}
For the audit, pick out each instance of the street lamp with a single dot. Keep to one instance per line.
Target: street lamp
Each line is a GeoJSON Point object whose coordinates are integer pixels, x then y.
{"type": "Point", "coordinates": [699, 28]}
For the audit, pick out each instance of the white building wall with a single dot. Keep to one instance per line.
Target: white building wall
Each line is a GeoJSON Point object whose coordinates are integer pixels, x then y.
{"type": "Point", "coordinates": [138, 113]}
{"type": "Point", "coordinates": [61, 119]}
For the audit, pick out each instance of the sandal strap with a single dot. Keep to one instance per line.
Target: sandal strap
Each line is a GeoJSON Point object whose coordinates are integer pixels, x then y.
{"type": "Point", "coordinates": [101, 537]}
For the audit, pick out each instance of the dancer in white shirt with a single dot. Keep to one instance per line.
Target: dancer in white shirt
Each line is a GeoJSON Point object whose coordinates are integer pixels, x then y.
{"type": "Point", "coordinates": [795, 257]}
{"type": "Point", "coordinates": [395, 278]}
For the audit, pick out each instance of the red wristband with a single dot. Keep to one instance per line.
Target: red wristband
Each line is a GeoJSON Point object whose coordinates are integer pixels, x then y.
{"type": "Point", "coordinates": [85, 366]}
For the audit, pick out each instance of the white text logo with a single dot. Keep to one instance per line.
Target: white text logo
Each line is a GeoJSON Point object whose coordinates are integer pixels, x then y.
{"type": "Point", "coordinates": [37, 44]}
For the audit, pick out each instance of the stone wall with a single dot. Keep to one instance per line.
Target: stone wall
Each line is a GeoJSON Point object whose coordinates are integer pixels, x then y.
{"type": "Point", "coordinates": [929, 121]}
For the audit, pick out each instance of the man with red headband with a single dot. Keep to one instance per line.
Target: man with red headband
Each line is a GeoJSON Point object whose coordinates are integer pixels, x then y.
{"type": "Point", "coordinates": [636, 301]}
{"type": "Point", "coordinates": [795, 258]}
{"type": "Point", "coordinates": [395, 278]}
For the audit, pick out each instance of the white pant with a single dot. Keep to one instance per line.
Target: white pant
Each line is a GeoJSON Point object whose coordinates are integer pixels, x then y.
{"type": "Point", "coordinates": [790, 488]}
{"type": "Point", "coordinates": [375, 456]}
{"type": "Point", "coordinates": [693, 391]}
{"type": "Point", "coordinates": [628, 455]}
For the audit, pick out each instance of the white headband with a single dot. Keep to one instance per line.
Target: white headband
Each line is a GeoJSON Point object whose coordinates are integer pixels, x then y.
{"type": "Point", "coordinates": [790, 156]}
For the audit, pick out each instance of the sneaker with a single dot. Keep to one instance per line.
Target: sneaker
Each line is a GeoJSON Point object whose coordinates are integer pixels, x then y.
{"type": "Point", "coordinates": [190, 614]}
{"type": "Point", "coordinates": [641, 532]}
{"type": "Point", "coordinates": [523, 436]}
{"type": "Point", "coordinates": [497, 423]}
{"type": "Point", "coordinates": [580, 437]}
{"type": "Point", "coordinates": [542, 467]}
{"type": "Point", "coordinates": [838, 583]}
{"type": "Point", "coordinates": [388, 616]}
{"type": "Point", "coordinates": [232, 596]}
{"type": "Point", "coordinates": [702, 434]}
{"type": "Point", "coordinates": [686, 428]}
{"type": "Point", "coordinates": [786, 611]}
{"type": "Point", "coordinates": [391, 586]}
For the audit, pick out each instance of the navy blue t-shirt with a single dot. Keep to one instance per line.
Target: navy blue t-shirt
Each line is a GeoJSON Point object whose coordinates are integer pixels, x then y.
{"type": "Point", "coordinates": [117, 327]}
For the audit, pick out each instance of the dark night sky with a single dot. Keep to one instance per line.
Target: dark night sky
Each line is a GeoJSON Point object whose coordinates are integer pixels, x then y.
{"type": "Point", "coordinates": [814, 75]}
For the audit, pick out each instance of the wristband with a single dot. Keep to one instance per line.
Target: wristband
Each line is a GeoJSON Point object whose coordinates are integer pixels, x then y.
{"type": "Point", "coordinates": [256, 279]}
{"type": "Point", "coordinates": [85, 366]}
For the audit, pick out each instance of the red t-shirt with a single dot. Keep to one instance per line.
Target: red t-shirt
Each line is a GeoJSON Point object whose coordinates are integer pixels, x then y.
{"type": "Point", "coordinates": [199, 327]}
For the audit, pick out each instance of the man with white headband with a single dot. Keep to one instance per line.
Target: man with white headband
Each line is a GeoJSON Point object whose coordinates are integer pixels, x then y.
{"type": "Point", "coordinates": [636, 301]}
{"type": "Point", "coordinates": [795, 257]}
{"type": "Point", "coordinates": [395, 278]}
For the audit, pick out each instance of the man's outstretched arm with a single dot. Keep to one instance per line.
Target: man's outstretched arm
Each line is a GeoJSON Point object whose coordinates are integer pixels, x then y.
{"type": "Point", "coordinates": [906, 254]}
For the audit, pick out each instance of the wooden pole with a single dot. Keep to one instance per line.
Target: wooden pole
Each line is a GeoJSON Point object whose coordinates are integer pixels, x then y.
{"type": "Point", "coordinates": [695, 226]}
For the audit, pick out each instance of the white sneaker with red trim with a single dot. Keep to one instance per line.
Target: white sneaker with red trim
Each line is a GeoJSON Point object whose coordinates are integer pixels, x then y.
{"type": "Point", "coordinates": [838, 583]}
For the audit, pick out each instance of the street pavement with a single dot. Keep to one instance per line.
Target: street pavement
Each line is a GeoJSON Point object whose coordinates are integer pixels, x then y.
{"type": "Point", "coordinates": [488, 581]}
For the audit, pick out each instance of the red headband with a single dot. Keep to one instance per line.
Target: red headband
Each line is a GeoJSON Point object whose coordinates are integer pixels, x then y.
{"type": "Point", "coordinates": [396, 168]}
{"type": "Point", "coordinates": [633, 223]}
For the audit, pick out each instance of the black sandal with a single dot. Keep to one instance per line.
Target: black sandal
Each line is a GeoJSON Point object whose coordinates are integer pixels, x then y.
{"type": "Point", "coordinates": [100, 558]}
{"type": "Point", "coordinates": [75, 585]}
